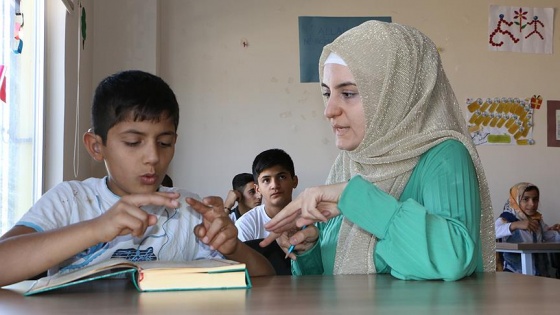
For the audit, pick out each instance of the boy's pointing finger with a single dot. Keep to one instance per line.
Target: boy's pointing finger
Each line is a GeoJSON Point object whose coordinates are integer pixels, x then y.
{"type": "Point", "coordinates": [198, 206]}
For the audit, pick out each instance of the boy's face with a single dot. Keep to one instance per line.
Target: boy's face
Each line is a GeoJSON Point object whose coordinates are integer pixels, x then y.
{"type": "Point", "coordinates": [276, 185]}
{"type": "Point", "coordinates": [137, 155]}
{"type": "Point", "coordinates": [250, 197]}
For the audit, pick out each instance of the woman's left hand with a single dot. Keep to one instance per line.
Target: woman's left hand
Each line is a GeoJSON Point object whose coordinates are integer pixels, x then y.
{"type": "Point", "coordinates": [555, 227]}
{"type": "Point", "coordinates": [314, 204]}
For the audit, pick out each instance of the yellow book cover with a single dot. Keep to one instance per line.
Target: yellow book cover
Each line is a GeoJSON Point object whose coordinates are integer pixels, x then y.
{"type": "Point", "coordinates": [148, 276]}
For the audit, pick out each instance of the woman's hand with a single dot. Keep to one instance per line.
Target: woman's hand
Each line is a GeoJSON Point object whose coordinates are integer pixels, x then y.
{"type": "Point", "coordinates": [315, 204]}
{"type": "Point", "coordinates": [302, 239]}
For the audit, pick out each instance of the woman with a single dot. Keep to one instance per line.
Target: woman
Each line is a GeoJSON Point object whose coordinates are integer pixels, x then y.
{"type": "Point", "coordinates": [408, 179]}
{"type": "Point", "coordinates": [521, 222]}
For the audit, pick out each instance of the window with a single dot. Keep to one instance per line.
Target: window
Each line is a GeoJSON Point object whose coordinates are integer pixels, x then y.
{"type": "Point", "coordinates": [21, 99]}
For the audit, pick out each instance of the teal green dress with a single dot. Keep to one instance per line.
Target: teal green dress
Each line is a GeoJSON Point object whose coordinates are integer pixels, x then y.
{"type": "Point", "coordinates": [431, 232]}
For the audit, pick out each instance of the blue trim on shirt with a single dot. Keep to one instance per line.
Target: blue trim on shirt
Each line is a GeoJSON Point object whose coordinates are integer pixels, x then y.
{"type": "Point", "coordinates": [508, 216]}
{"type": "Point", "coordinates": [31, 225]}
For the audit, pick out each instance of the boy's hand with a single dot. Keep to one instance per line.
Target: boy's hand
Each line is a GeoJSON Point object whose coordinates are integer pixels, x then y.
{"type": "Point", "coordinates": [216, 229]}
{"type": "Point", "coordinates": [232, 197]}
{"type": "Point", "coordinates": [126, 216]}
{"type": "Point", "coordinates": [531, 225]}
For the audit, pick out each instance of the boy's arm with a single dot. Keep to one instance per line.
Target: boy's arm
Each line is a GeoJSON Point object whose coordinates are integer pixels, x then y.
{"type": "Point", "coordinates": [231, 198]}
{"type": "Point", "coordinates": [26, 253]}
{"type": "Point", "coordinates": [257, 264]}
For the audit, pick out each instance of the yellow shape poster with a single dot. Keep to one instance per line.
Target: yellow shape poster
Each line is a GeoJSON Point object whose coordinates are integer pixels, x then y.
{"type": "Point", "coordinates": [502, 121]}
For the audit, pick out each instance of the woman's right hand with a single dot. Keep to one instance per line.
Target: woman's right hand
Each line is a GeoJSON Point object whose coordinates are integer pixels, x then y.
{"type": "Point", "coordinates": [315, 204]}
{"type": "Point", "coordinates": [302, 239]}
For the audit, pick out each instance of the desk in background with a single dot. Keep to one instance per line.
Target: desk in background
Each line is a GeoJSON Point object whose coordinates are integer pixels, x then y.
{"type": "Point", "coordinates": [526, 250]}
{"type": "Point", "coordinates": [484, 293]}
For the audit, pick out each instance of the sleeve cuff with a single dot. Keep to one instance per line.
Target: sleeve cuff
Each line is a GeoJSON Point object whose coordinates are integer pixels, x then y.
{"type": "Point", "coordinates": [363, 203]}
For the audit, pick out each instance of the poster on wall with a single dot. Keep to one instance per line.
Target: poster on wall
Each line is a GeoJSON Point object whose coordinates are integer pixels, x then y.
{"type": "Point", "coordinates": [520, 29]}
{"type": "Point", "coordinates": [553, 123]}
{"type": "Point", "coordinates": [502, 121]}
{"type": "Point", "coordinates": [317, 31]}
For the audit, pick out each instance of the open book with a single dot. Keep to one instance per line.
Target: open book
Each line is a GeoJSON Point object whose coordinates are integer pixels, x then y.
{"type": "Point", "coordinates": [155, 275]}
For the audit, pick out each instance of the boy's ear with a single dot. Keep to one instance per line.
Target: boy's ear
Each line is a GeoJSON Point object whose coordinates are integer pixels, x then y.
{"type": "Point", "coordinates": [93, 145]}
{"type": "Point", "coordinates": [295, 181]}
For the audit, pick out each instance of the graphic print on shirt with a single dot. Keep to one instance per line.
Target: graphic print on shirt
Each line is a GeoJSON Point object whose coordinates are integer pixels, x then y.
{"type": "Point", "coordinates": [138, 254]}
{"type": "Point", "coordinates": [134, 255]}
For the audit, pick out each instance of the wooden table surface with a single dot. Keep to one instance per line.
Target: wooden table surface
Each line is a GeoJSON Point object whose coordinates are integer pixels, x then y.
{"type": "Point", "coordinates": [528, 246]}
{"type": "Point", "coordinates": [526, 250]}
{"type": "Point", "coordinates": [488, 293]}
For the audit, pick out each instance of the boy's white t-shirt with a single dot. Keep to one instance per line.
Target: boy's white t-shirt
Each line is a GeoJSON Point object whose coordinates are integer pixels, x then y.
{"type": "Point", "coordinates": [170, 239]}
{"type": "Point", "coordinates": [250, 226]}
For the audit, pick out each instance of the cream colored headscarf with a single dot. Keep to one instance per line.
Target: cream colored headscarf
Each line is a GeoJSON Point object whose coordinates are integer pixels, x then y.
{"type": "Point", "coordinates": [410, 108]}
{"type": "Point", "coordinates": [512, 205]}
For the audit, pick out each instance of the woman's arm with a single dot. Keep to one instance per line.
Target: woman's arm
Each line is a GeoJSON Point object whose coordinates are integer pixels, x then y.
{"type": "Point", "coordinates": [433, 233]}
{"type": "Point", "coordinates": [310, 262]}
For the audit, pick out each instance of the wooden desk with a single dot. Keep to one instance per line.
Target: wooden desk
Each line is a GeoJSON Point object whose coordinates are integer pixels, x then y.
{"type": "Point", "coordinates": [526, 250]}
{"type": "Point", "coordinates": [488, 293]}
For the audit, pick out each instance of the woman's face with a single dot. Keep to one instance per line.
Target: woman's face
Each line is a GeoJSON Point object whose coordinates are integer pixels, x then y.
{"type": "Point", "coordinates": [344, 107]}
{"type": "Point", "coordinates": [530, 202]}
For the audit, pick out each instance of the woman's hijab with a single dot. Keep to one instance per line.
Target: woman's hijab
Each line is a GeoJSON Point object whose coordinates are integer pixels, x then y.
{"type": "Point", "coordinates": [410, 107]}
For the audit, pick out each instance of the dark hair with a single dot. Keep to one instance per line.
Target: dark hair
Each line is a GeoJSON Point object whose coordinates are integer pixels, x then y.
{"type": "Point", "coordinates": [271, 158]}
{"type": "Point", "coordinates": [240, 180]}
{"type": "Point", "coordinates": [131, 94]}
{"type": "Point", "coordinates": [531, 188]}
{"type": "Point", "coordinates": [167, 181]}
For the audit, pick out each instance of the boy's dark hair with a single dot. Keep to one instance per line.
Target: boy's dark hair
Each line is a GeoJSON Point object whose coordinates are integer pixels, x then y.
{"type": "Point", "coordinates": [240, 180]}
{"type": "Point", "coordinates": [271, 158]}
{"type": "Point", "coordinates": [131, 94]}
{"type": "Point", "coordinates": [167, 181]}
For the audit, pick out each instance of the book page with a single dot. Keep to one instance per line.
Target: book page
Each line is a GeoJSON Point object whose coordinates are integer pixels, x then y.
{"type": "Point", "coordinates": [202, 265]}
{"type": "Point", "coordinates": [66, 277]}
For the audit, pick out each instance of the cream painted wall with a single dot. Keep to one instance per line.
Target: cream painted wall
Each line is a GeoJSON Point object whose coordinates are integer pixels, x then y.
{"type": "Point", "coordinates": [237, 102]}
{"type": "Point", "coordinates": [64, 155]}
{"type": "Point", "coordinates": [126, 37]}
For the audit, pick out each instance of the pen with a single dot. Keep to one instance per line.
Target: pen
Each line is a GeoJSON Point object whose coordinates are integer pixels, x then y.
{"type": "Point", "coordinates": [291, 249]}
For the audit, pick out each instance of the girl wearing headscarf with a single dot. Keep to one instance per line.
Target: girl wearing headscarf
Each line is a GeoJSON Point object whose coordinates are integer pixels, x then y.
{"type": "Point", "coordinates": [521, 222]}
{"type": "Point", "coordinates": [407, 194]}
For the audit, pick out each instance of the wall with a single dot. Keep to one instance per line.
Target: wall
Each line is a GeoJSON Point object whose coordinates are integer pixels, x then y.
{"type": "Point", "coordinates": [64, 155]}
{"type": "Point", "coordinates": [125, 36]}
{"type": "Point", "coordinates": [237, 102]}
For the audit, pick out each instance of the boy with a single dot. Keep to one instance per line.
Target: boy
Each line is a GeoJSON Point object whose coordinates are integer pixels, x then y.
{"type": "Point", "coordinates": [244, 193]}
{"type": "Point", "coordinates": [128, 213]}
{"type": "Point", "coordinates": [274, 174]}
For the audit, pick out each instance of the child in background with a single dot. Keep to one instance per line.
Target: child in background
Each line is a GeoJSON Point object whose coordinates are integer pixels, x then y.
{"type": "Point", "coordinates": [244, 193]}
{"type": "Point", "coordinates": [521, 222]}
{"type": "Point", "coordinates": [274, 174]}
{"type": "Point", "coordinates": [127, 213]}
